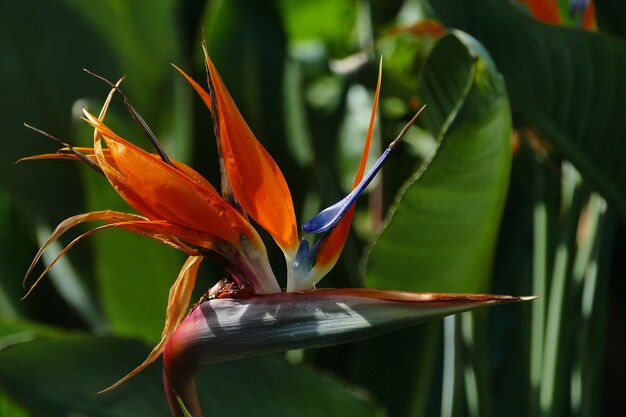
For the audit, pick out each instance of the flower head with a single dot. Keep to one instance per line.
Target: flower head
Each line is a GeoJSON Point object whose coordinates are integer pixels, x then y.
{"type": "Point", "coordinates": [580, 13]}
{"type": "Point", "coordinates": [180, 208]}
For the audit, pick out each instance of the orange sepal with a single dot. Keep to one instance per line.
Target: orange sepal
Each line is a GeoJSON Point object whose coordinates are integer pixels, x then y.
{"type": "Point", "coordinates": [90, 153]}
{"type": "Point", "coordinates": [546, 11]}
{"type": "Point", "coordinates": [162, 188]}
{"type": "Point", "coordinates": [589, 17]}
{"type": "Point", "coordinates": [162, 231]}
{"type": "Point", "coordinates": [256, 180]}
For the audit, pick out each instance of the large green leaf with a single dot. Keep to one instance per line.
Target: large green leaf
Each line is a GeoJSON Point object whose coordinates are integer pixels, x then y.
{"type": "Point", "coordinates": [61, 376]}
{"type": "Point", "coordinates": [10, 408]}
{"type": "Point", "coordinates": [567, 83]}
{"type": "Point", "coordinates": [275, 388]}
{"type": "Point", "coordinates": [44, 46]}
{"type": "Point", "coordinates": [15, 252]}
{"type": "Point", "coordinates": [19, 330]}
{"type": "Point", "coordinates": [134, 276]}
{"type": "Point", "coordinates": [441, 234]}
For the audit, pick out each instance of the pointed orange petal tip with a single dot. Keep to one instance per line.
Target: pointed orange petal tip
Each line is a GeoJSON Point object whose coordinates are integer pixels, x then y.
{"type": "Point", "coordinates": [256, 180]}
{"type": "Point", "coordinates": [428, 27]}
{"type": "Point", "coordinates": [201, 91]}
{"type": "Point", "coordinates": [332, 246]}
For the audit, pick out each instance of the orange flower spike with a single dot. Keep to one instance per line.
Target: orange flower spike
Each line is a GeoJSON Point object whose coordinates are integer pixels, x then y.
{"type": "Point", "coordinates": [256, 181]}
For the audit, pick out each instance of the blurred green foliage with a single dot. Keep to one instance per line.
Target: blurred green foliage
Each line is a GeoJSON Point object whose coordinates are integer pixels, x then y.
{"type": "Point", "coordinates": [516, 110]}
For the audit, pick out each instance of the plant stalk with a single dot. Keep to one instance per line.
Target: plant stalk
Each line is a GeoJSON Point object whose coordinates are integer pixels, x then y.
{"type": "Point", "coordinates": [557, 332]}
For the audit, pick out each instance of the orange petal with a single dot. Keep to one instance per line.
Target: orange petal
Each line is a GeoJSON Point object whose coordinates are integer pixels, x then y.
{"type": "Point", "coordinates": [546, 11]}
{"type": "Point", "coordinates": [161, 230]}
{"type": "Point", "coordinates": [180, 294]}
{"type": "Point", "coordinates": [169, 193]}
{"type": "Point", "coordinates": [65, 225]}
{"type": "Point", "coordinates": [256, 180]}
{"type": "Point", "coordinates": [90, 153]}
{"type": "Point", "coordinates": [49, 156]}
{"type": "Point", "coordinates": [589, 17]}
{"type": "Point", "coordinates": [425, 27]}
{"type": "Point", "coordinates": [227, 190]}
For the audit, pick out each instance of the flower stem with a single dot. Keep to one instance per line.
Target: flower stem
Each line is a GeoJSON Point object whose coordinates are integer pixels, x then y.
{"type": "Point", "coordinates": [181, 389]}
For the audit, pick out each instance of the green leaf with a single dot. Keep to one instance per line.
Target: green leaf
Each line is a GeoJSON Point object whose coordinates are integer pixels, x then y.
{"type": "Point", "coordinates": [441, 234]}
{"type": "Point", "coordinates": [134, 276]}
{"type": "Point", "coordinates": [182, 407]}
{"type": "Point", "coordinates": [398, 368]}
{"type": "Point", "coordinates": [15, 252]}
{"type": "Point", "coordinates": [27, 330]}
{"type": "Point", "coordinates": [275, 388]}
{"type": "Point", "coordinates": [68, 283]}
{"type": "Point", "coordinates": [44, 65]}
{"type": "Point", "coordinates": [10, 408]}
{"type": "Point", "coordinates": [567, 83]}
{"type": "Point", "coordinates": [62, 376]}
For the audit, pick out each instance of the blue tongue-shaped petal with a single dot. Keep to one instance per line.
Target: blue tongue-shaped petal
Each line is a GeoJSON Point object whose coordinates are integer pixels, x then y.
{"type": "Point", "coordinates": [329, 217]}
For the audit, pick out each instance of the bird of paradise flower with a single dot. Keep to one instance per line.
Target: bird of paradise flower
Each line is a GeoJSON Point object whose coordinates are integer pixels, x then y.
{"type": "Point", "coordinates": [246, 313]}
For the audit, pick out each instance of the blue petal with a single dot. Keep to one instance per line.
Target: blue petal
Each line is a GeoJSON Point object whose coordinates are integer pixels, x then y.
{"type": "Point", "coordinates": [578, 7]}
{"type": "Point", "coordinates": [329, 217]}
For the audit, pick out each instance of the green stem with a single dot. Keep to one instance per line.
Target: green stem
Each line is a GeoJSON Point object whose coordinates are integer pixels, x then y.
{"type": "Point", "coordinates": [539, 282]}
{"type": "Point", "coordinates": [593, 278]}
{"type": "Point", "coordinates": [476, 364]}
{"type": "Point", "coordinates": [451, 393]}
{"type": "Point", "coordinates": [551, 396]}
{"type": "Point", "coordinates": [584, 271]}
